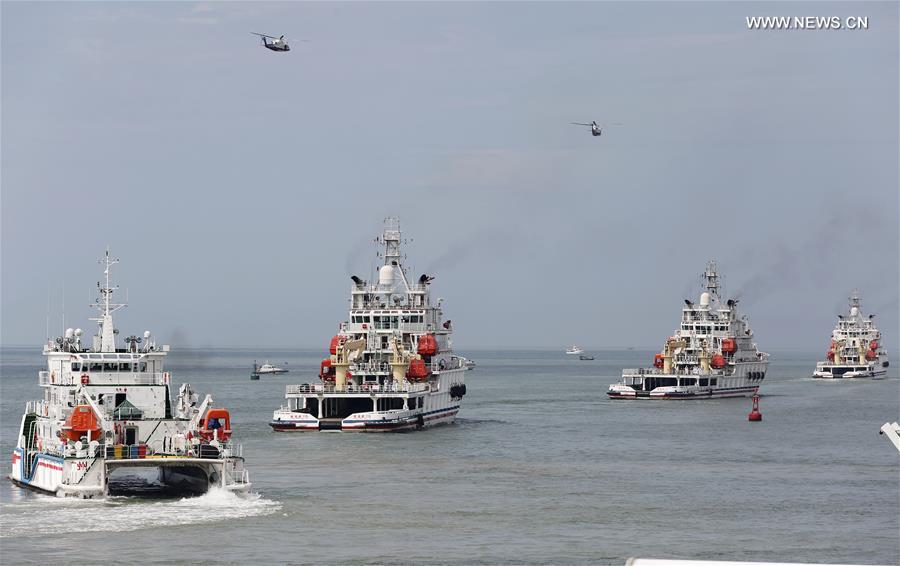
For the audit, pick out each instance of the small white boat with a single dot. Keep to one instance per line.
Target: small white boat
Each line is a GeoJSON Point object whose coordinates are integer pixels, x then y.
{"type": "Point", "coordinates": [575, 350]}
{"type": "Point", "coordinates": [269, 368]}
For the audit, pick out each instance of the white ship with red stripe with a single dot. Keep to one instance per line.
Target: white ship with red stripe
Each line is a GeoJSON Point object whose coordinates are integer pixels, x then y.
{"type": "Point", "coordinates": [855, 351]}
{"type": "Point", "coordinates": [711, 355]}
{"type": "Point", "coordinates": [392, 366]}
{"type": "Point", "coordinates": [107, 415]}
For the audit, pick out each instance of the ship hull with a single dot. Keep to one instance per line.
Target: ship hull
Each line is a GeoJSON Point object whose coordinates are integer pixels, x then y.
{"type": "Point", "coordinates": [685, 395]}
{"type": "Point", "coordinates": [371, 422]}
{"type": "Point", "coordinates": [89, 477]}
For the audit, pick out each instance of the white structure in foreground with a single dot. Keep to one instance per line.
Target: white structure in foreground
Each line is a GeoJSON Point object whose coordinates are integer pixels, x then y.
{"type": "Point", "coordinates": [107, 408]}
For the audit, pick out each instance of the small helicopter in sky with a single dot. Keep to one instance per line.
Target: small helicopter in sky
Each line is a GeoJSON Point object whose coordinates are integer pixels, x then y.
{"type": "Point", "coordinates": [277, 43]}
{"type": "Point", "coordinates": [596, 130]}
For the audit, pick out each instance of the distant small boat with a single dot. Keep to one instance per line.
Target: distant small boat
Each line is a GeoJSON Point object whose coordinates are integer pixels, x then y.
{"type": "Point", "coordinates": [269, 368]}
{"type": "Point", "coordinates": [575, 350]}
{"type": "Point", "coordinates": [585, 358]}
{"type": "Point", "coordinates": [470, 364]}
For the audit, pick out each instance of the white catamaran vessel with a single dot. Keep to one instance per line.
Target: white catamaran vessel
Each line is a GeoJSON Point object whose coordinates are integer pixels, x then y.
{"type": "Point", "coordinates": [855, 350]}
{"type": "Point", "coordinates": [107, 409]}
{"type": "Point", "coordinates": [711, 355]}
{"type": "Point", "coordinates": [391, 367]}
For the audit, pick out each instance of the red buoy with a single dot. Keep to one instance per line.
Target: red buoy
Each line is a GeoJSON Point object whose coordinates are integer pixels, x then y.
{"type": "Point", "coordinates": [755, 415]}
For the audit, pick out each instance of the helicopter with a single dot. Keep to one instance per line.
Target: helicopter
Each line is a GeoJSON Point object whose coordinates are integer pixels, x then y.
{"type": "Point", "coordinates": [596, 130]}
{"type": "Point", "coordinates": [277, 43]}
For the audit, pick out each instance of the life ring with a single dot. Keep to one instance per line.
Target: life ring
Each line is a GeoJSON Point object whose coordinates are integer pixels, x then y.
{"type": "Point", "coordinates": [85, 379]}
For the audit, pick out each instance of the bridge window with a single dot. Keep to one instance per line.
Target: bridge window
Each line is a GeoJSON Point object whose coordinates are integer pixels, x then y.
{"type": "Point", "coordinates": [125, 366]}
{"type": "Point", "coordinates": [96, 366]}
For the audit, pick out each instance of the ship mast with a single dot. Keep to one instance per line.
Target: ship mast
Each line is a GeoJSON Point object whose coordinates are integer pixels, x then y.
{"type": "Point", "coordinates": [712, 278]}
{"type": "Point", "coordinates": [107, 333]}
{"type": "Point", "coordinates": [391, 238]}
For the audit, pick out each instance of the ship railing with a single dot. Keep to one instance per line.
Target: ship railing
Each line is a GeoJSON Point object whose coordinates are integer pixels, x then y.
{"type": "Point", "coordinates": [105, 378]}
{"type": "Point", "coordinates": [239, 476]}
{"type": "Point", "coordinates": [642, 371]}
{"type": "Point", "coordinates": [43, 378]}
{"type": "Point", "coordinates": [364, 389]}
{"type": "Point", "coordinates": [42, 409]}
{"type": "Point", "coordinates": [189, 450]}
{"type": "Point", "coordinates": [371, 367]}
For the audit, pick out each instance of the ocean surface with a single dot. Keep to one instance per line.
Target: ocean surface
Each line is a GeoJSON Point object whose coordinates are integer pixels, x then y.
{"type": "Point", "coordinates": [540, 468]}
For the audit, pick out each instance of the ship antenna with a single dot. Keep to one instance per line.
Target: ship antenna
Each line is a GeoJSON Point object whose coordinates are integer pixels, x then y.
{"type": "Point", "coordinates": [106, 307]}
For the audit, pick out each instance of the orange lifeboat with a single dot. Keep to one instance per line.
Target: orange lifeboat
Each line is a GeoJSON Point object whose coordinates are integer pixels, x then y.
{"type": "Point", "coordinates": [82, 421]}
{"type": "Point", "coordinates": [729, 346]}
{"type": "Point", "coordinates": [718, 361]}
{"type": "Point", "coordinates": [216, 424]}
{"type": "Point", "coordinates": [871, 355]}
{"type": "Point", "coordinates": [326, 372]}
{"type": "Point", "coordinates": [427, 345]}
{"type": "Point", "coordinates": [873, 345]}
{"type": "Point", "coordinates": [830, 354]}
{"type": "Point", "coordinates": [417, 371]}
{"type": "Point", "coordinates": [658, 361]}
{"type": "Point", "coordinates": [334, 344]}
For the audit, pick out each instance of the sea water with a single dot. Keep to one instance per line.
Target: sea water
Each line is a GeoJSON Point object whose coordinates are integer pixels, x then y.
{"type": "Point", "coordinates": [539, 468]}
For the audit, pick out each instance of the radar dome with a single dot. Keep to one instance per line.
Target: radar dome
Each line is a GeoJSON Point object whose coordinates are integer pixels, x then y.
{"type": "Point", "coordinates": [854, 311]}
{"type": "Point", "coordinates": [146, 334]}
{"type": "Point", "coordinates": [704, 299]}
{"type": "Point", "coordinates": [78, 332]}
{"type": "Point", "coordinates": [70, 332]}
{"type": "Point", "coordinates": [386, 275]}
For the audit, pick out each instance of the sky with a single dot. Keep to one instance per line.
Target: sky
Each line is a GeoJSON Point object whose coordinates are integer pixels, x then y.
{"type": "Point", "coordinates": [241, 187]}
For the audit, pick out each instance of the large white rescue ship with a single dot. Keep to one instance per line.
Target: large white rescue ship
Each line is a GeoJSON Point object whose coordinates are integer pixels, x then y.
{"type": "Point", "coordinates": [855, 350]}
{"type": "Point", "coordinates": [107, 410]}
{"type": "Point", "coordinates": [711, 355]}
{"type": "Point", "coordinates": [392, 366]}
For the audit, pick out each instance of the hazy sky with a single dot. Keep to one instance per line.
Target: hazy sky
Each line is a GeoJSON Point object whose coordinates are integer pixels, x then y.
{"type": "Point", "coordinates": [241, 187]}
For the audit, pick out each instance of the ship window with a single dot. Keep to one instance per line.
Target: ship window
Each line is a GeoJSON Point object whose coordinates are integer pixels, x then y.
{"type": "Point", "coordinates": [704, 381]}
{"type": "Point", "coordinates": [125, 367]}
{"type": "Point", "coordinates": [713, 381]}
{"type": "Point", "coordinates": [76, 366]}
{"type": "Point", "coordinates": [110, 366]}
{"type": "Point", "coordinates": [142, 367]}
{"type": "Point", "coordinates": [96, 366]}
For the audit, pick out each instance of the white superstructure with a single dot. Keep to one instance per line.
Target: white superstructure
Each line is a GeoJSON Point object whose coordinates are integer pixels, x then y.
{"type": "Point", "coordinates": [712, 354]}
{"type": "Point", "coordinates": [392, 365]}
{"type": "Point", "coordinates": [855, 349]}
{"type": "Point", "coordinates": [574, 350]}
{"type": "Point", "coordinates": [107, 408]}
